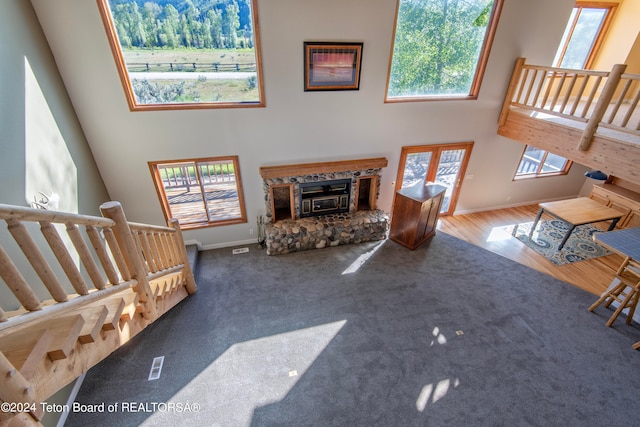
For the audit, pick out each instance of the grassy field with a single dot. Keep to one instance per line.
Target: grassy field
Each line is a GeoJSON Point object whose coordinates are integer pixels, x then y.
{"type": "Point", "coordinates": [219, 90]}
{"type": "Point", "coordinates": [243, 57]}
{"type": "Point", "coordinates": [202, 89]}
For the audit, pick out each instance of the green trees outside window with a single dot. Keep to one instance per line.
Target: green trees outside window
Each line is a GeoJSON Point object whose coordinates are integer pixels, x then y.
{"type": "Point", "coordinates": [440, 47]}
{"type": "Point", "coordinates": [186, 53]}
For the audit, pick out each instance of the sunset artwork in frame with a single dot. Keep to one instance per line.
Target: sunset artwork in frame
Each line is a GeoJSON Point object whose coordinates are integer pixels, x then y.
{"type": "Point", "coordinates": [332, 66]}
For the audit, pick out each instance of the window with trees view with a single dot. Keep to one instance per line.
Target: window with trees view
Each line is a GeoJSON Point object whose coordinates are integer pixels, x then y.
{"type": "Point", "coordinates": [200, 192]}
{"type": "Point", "coordinates": [537, 163]}
{"type": "Point", "coordinates": [440, 48]}
{"type": "Point", "coordinates": [583, 35]}
{"type": "Point", "coordinates": [186, 53]}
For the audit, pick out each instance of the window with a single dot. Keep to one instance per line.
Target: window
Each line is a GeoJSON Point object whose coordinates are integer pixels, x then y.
{"type": "Point", "coordinates": [200, 192]}
{"type": "Point", "coordinates": [440, 48]}
{"type": "Point", "coordinates": [444, 164]}
{"type": "Point", "coordinates": [537, 163]}
{"type": "Point", "coordinates": [583, 35]}
{"type": "Point", "coordinates": [172, 54]}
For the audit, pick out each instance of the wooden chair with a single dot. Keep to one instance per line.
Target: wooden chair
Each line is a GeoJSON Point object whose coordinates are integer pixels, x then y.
{"type": "Point", "coordinates": [626, 292]}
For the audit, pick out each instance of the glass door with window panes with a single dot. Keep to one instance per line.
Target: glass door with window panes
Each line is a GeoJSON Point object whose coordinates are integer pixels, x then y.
{"type": "Point", "coordinates": [443, 164]}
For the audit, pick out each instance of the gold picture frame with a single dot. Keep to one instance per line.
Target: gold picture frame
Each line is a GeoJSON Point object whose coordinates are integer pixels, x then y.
{"type": "Point", "coordinates": [332, 66]}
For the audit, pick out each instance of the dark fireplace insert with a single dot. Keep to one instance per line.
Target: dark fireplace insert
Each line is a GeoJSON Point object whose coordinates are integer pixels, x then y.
{"type": "Point", "coordinates": [324, 197]}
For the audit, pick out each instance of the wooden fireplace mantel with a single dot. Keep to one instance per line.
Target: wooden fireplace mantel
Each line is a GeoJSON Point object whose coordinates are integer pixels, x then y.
{"type": "Point", "coordinates": [321, 167]}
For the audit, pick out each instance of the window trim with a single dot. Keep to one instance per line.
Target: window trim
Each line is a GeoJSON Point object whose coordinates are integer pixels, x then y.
{"type": "Point", "coordinates": [112, 37]}
{"type": "Point", "coordinates": [602, 32]}
{"type": "Point", "coordinates": [538, 173]}
{"type": "Point", "coordinates": [483, 59]}
{"type": "Point", "coordinates": [164, 202]}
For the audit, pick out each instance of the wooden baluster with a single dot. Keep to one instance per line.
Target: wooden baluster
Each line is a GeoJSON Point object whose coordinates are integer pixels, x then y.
{"type": "Point", "coordinates": [146, 251]}
{"type": "Point", "coordinates": [16, 283]}
{"type": "Point", "coordinates": [532, 82]}
{"type": "Point", "coordinates": [188, 274]}
{"type": "Point", "coordinates": [515, 77]}
{"type": "Point", "coordinates": [162, 256]}
{"type": "Point", "coordinates": [85, 256]}
{"type": "Point", "coordinates": [630, 111]}
{"type": "Point", "coordinates": [110, 237]}
{"type": "Point", "coordinates": [135, 264]}
{"type": "Point", "coordinates": [170, 249]}
{"type": "Point", "coordinates": [556, 94]}
{"type": "Point", "coordinates": [36, 259]}
{"type": "Point", "coordinates": [539, 85]}
{"type": "Point", "coordinates": [175, 248]}
{"type": "Point", "coordinates": [523, 82]}
{"type": "Point", "coordinates": [619, 102]}
{"type": "Point", "coordinates": [103, 256]}
{"type": "Point", "coordinates": [568, 92]}
{"type": "Point", "coordinates": [550, 79]}
{"type": "Point", "coordinates": [157, 259]}
{"type": "Point", "coordinates": [592, 94]}
{"type": "Point", "coordinates": [62, 254]}
{"type": "Point", "coordinates": [3, 315]}
{"type": "Point", "coordinates": [578, 98]}
{"type": "Point", "coordinates": [601, 106]}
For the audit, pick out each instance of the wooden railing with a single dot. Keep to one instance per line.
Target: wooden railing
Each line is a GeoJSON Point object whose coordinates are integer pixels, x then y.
{"type": "Point", "coordinates": [596, 98]}
{"type": "Point", "coordinates": [84, 286]}
{"type": "Point", "coordinates": [176, 175]}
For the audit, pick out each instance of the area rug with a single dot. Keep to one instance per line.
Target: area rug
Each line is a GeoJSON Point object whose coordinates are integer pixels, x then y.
{"type": "Point", "coordinates": [548, 236]}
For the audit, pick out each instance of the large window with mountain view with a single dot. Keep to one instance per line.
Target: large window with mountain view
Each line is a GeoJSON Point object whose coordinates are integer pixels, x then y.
{"type": "Point", "coordinates": [178, 54]}
{"type": "Point", "coordinates": [440, 48]}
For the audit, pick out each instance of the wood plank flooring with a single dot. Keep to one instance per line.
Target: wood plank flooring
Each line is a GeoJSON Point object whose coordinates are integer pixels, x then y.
{"type": "Point", "coordinates": [592, 275]}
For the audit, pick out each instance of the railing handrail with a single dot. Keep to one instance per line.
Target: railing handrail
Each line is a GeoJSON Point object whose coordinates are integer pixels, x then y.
{"type": "Point", "coordinates": [152, 250]}
{"type": "Point", "coordinates": [568, 71]}
{"type": "Point", "coordinates": [590, 96]}
{"type": "Point", "coordinates": [22, 213]}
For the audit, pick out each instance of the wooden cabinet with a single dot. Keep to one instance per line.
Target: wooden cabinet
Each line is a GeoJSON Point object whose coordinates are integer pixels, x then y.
{"type": "Point", "coordinates": [621, 199]}
{"type": "Point", "coordinates": [415, 214]}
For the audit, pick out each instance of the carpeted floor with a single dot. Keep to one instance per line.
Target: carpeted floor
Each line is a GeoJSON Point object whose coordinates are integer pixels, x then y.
{"type": "Point", "coordinates": [374, 335]}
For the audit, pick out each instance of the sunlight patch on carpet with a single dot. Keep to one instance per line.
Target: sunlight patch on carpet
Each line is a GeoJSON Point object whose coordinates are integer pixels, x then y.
{"type": "Point", "coordinates": [434, 392]}
{"type": "Point", "coordinates": [257, 372]}
{"type": "Point", "coordinates": [359, 262]}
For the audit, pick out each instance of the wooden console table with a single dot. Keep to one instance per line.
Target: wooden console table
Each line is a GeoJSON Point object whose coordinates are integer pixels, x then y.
{"type": "Point", "coordinates": [415, 214]}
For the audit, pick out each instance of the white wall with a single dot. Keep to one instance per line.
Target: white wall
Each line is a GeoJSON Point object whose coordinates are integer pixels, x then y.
{"type": "Point", "coordinates": [298, 126]}
{"type": "Point", "coordinates": [42, 146]}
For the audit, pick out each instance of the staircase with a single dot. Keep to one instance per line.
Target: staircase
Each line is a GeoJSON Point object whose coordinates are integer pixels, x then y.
{"type": "Point", "coordinates": [85, 286]}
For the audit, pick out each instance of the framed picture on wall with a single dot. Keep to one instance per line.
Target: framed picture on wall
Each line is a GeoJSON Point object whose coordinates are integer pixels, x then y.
{"type": "Point", "coordinates": [332, 66]}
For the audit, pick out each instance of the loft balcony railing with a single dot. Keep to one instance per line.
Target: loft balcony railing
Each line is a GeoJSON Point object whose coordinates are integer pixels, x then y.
{"type": "Point", "coordinates": [77, 288]}
{"type": "Point", "coordinates": [598, 99]}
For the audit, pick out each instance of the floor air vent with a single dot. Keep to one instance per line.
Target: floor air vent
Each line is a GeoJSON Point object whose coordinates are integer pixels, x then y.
{"type": "Point", "coordinates": [156, 368]}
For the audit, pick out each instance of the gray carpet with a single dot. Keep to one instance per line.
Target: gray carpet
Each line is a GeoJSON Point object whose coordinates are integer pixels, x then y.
{"type": "Point", "coordinates": [449, 334]}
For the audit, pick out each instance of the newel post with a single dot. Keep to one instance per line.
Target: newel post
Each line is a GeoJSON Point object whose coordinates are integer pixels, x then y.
{"type": "Point", "coordinates": [515, 79]}
{"type": "Point", "coordinates": [601, 106]}
{"type": "Point", "coordinates": [179, 241]}
{"type": "Point", "coordinates": [124, 237]}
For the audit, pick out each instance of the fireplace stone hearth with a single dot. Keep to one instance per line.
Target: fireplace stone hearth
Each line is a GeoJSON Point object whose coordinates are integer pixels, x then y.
{"type": "Point", "coordinates": [325, 231]}
{"type": "Point", "coordinates": [293, 226]}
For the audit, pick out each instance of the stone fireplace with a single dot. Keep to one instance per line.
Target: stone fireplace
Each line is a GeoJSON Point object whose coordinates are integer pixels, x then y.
{"type": "Point", "coordinates": [315, 205]}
